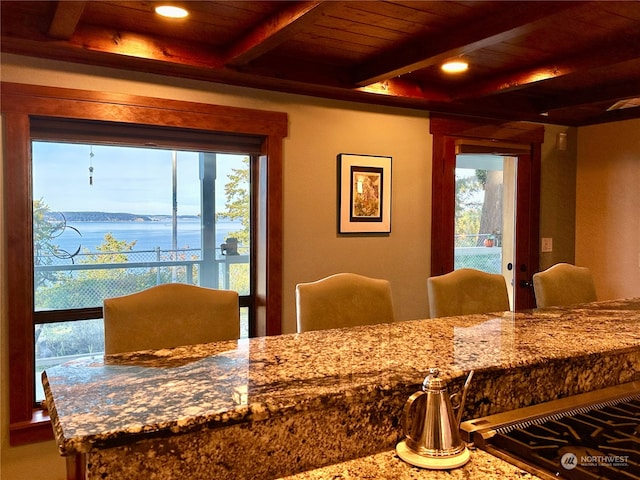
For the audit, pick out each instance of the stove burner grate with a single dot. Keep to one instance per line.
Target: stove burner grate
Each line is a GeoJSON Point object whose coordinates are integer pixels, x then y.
{"type": "Point", "coordinates": [600, 440]}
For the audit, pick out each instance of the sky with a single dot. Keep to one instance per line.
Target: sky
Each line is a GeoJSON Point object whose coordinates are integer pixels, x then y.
{"type": "Point", "coordinates": [125, 179]}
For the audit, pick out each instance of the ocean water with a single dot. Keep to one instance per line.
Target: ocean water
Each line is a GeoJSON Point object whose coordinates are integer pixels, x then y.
{"type": "Point", "coordinates": [147, 235]}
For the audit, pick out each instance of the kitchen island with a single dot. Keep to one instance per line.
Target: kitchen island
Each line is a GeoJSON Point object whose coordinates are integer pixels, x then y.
{"type": "Point", "coordinates": [271, 407]}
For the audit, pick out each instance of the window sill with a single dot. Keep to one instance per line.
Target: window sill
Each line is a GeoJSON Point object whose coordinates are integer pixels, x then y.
{"type": "Point", "coordinates": [38, 429]}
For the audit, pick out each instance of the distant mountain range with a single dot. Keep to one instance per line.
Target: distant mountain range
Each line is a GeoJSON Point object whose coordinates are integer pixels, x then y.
{"type": "Point", "coordinates": [117, 217]}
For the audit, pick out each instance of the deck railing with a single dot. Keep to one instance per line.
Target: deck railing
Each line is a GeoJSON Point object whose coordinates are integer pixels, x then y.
{"type": "Point", "coordinates": [470, 252]}
{"type": "Point", "coordinates": [158, 266]}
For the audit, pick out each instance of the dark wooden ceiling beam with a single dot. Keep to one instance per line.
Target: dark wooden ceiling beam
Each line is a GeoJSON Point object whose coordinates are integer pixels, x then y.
{"type": "Point", "coordinates": [274, 31]}
{"type": "Point", "coordinates": [313, 73]}
{"type": "Point", "coordinates": [513, 18]}
{"type": "Point", "coordinates": [141, 47]}
{"type": "Point", "coordinates": [65, 19]}
{"type": "Point", "coordinates": [400, 88]}
{"type": "Point", "coordinates": [600, 94]}
{"type": "Point", "coordinates": [578, 64]}
{"type": "Point", "coordinates": [613, 116]}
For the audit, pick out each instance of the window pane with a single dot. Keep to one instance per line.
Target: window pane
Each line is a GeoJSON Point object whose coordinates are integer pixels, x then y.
{"type": "Point", "coordinates": [61, 342]}
{"type": "Point", "coordinates": [479, 213]}
{"type": "Point", "coordinates": [111, 220]}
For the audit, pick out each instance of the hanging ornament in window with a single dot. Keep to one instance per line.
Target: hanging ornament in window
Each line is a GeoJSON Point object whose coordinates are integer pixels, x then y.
{"type": "Point", "coordinates": [90, 165]}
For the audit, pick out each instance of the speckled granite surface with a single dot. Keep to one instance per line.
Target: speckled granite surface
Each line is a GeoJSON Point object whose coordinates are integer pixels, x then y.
{"type": "Point", "coordinates": [271, 407]}
{"type": "Point", "coordinates": [388, 466]}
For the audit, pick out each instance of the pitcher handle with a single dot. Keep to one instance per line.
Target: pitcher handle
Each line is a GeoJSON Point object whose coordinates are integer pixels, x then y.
{"type": "Point", "coordinates": [407, 410]}
{"type": "Point", "coordinates": [462, 398]}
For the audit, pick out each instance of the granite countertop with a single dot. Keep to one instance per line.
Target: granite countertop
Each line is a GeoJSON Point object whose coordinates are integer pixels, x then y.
{"type": "Point", "coordinates": [97, 400]}
{"type": "Point", "coordinates": [387, 465]}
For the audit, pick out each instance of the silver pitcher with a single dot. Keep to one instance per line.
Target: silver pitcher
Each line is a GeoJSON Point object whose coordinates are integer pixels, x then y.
{"type": "Point", "coordinates": [431, 427]}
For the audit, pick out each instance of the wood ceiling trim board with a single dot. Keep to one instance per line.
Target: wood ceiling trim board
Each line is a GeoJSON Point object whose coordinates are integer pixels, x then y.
{"type": "Point", "coordinates": [378, 32]}
{"type": "Point", "coordinates": [356, 40]}
{"type": "Point", "coordinates": [414, 18]}
{"type": "Point", "coordinates": [274, 31]}
{"type": "Point", "coordinates": [237, 9]}
{"type": "Point", "coordinates": [66, 19]}
{"type": "Point", "coordinates": [625, 10]}
{"type": "Point", "coordinates": [323, 57]}
{"type": "Point", "coordinates": [22, 25]}
{"type": "Point", "coordinates": [505, 24]}
{"type": "Point", "coordinates": [324, 46]}
{"type": "Point", "coordinates": [453, 9]}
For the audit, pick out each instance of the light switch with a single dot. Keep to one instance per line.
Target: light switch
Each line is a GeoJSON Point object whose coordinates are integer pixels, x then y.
{"type": "Point", "coordinates": [547, 245]}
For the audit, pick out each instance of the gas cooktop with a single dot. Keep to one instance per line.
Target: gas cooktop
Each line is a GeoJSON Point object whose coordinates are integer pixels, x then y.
{"type": "Point", "coordinates": [590, 436]}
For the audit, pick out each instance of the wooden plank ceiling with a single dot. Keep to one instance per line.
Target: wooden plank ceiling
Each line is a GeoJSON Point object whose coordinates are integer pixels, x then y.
{"type": "Point", "coordinates": [563, 62]}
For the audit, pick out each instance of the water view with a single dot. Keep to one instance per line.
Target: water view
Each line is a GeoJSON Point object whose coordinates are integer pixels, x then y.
{"type": "Point", "coordinates": [148, 235]}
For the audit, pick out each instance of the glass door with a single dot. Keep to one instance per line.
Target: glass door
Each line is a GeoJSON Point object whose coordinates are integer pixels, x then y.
{"type": "Point", "coordinates": [484, 237]}
{"type": "Point", "coordinates": [506, 157]}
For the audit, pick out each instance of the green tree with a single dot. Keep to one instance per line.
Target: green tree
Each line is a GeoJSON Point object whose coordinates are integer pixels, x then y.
{"type": "Point", "coordinates": [237, 208]}
{"type": "Point", "coordinates": [491, 218]}
{"type": "Point", "coordinates": [110, 250]}
{"type": "Point", "coordinates": [46, 227]}
{"type": "Point", "coordinates": [237, 197]}
{"type": "Point", "coordinates": [468, 209]}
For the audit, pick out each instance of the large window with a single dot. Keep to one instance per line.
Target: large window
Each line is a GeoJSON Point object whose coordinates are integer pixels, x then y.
{"type": "Point", "coordinates": [108, 194]}
{"type": "Point", "coordinates": [110, 220]}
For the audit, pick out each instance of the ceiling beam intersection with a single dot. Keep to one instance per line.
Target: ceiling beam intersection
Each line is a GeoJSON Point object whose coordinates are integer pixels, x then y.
{"type": "Point", "coordinates": [65, 19]}
{"type": "Point", "coordinates": [512, 19]}
{"type": "Point", "coordinates": [274, 31]}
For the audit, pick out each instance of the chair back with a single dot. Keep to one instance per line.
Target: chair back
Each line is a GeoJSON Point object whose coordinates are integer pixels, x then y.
{"type": "Point", "coordinates": [563, 284]}
{"type": "Point", "coordinates": [170, 315]}
{"type": "Point", "coordinates": [343, 300]}
{"type": "Point", "coordinates": [465, 292]}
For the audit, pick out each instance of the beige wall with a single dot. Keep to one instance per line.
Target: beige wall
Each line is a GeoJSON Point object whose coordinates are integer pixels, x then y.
{"type": "Point", "coordinates": [558, 196]}
{"type": "Point", "coordinates": [318, 131]}
{"type": "Point", "coordinates": [608, 207]}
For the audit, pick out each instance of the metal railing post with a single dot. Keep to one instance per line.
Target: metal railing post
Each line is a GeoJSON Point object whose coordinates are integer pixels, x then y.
{"type": "Point", "coordinates": [158, 268]}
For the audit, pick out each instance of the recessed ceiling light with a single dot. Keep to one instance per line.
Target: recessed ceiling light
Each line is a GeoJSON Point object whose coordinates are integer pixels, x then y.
{"type": "Point", "coordinates": [455, 66]}
{"type": "Point", "coordinates": [171, 11]}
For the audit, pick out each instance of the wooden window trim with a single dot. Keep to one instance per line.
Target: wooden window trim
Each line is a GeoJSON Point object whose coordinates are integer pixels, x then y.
{"type": "Point", "coordinates": [21, 103]}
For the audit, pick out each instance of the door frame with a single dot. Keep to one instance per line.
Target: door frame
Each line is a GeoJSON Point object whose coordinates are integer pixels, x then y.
{"type": "Point", "coordinates": [496, 136]}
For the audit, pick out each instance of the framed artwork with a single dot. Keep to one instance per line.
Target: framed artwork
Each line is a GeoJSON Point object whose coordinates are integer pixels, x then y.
{"type": "Point", "coordinates": [364, 194]}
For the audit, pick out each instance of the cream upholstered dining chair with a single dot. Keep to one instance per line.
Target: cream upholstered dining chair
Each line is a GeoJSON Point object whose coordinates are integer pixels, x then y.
{"type": "Point", "coordinates": [170, 315]}
{"type": "Point", "coordinates": [343, 300]}
{"type": "Point", "coordinates": [466, 291]}
{"type": "Point", "coordinates": [563, 284]}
